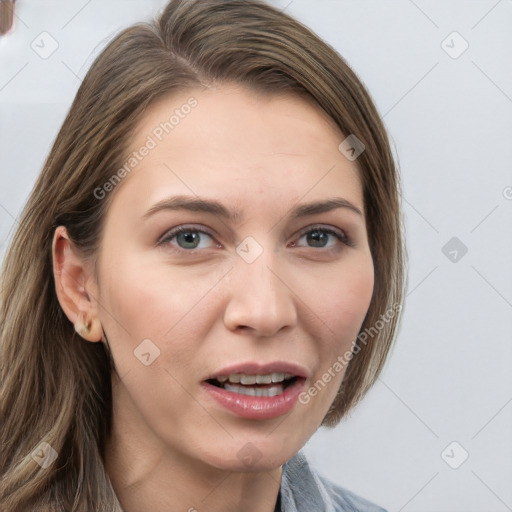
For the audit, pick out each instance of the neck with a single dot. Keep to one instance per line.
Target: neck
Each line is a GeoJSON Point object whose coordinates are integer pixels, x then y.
{"type": "Point", "coordinates": [147, 475]}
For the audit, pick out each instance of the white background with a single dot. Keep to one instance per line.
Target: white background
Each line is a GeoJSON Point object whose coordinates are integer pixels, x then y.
{"type": "Point", "coordinates": [449, 378]}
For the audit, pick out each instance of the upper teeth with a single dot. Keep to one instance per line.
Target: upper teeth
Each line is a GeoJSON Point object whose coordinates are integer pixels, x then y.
{"type": "Point", "coordinates": [244, 378]}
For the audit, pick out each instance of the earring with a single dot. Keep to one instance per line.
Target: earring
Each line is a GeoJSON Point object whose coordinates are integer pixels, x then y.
{"type": "Point", "coordinates": [82, 327]}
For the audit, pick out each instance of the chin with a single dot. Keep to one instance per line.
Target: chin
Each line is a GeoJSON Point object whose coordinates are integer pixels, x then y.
{"type": "Point", "coordinates": [252, 456]}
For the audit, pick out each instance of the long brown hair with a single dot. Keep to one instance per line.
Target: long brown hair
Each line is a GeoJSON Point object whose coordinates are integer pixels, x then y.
{"type": "Point", "coordinates": [56, 388]}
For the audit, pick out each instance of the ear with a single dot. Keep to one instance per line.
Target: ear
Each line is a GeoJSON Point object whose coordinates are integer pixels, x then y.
{"type": "Point", "coordinates": [75, 286]}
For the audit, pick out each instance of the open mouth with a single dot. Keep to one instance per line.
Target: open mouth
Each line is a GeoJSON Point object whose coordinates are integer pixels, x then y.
{"type": "Point", "coordinates": [266, 385]}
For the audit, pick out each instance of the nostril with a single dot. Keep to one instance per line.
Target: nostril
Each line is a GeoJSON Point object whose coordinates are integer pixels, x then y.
{"type": "Point", "coordinates": [6, 16]}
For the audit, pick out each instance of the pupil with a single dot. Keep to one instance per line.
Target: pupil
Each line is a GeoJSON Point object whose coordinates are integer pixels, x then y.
{"type": "Point", "coordinates": [317, 237]}
{"type": "Point", "coordinates": [189, 238]}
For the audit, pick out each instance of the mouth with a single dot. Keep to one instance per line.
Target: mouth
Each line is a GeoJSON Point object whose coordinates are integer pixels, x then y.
{"type": "Point", "coordinates": [257, 391]}
{"type": "Point", "coordinates": [259, 385]}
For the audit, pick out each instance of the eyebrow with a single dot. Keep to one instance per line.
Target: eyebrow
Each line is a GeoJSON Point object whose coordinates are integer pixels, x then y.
{"type": "Point", "coordinates": [198, 204]}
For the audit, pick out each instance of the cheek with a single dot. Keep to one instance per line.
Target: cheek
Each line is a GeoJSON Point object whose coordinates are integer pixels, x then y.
{"type": "Point", "coordinates": [145, 302]}
{"type": "Point", "coordinates": [342, 303]}
{"type": "Point", "coordinates": [172, 307]}
{"type": "Point", "coordinates": [149, 299]}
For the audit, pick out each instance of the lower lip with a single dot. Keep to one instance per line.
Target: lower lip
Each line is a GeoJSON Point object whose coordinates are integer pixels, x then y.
{"type": "Point", "coordinates": [257, 407]}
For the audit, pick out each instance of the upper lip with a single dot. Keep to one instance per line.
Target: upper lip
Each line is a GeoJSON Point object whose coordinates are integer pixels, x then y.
{"type": "Point", "coordinates": [253, 368]}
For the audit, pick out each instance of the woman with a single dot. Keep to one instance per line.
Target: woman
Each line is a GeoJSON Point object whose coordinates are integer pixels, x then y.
{"type": "Point", "coordinates": [209, 267]}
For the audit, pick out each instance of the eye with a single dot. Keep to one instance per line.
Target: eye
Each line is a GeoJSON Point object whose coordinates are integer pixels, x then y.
{"type": "Point", "coordinates": [323, 238]}
{"type": "Point", "coordinates": [188, 238]}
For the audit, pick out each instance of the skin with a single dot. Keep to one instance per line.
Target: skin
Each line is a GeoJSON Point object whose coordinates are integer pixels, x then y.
{"type": "Point", "coordinates": [172, 446]}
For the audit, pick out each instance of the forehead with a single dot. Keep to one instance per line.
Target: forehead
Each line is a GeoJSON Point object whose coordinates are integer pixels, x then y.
{"type": "Point", "coordinates": [232, 142]}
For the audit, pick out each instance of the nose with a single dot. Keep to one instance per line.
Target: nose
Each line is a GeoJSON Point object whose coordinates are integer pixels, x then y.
{"type": "Point", "coordinates": [260, 299]}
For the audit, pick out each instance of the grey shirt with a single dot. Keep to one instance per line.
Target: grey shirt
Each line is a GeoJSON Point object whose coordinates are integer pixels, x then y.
{"type": "Point", "coordinates": [305, 490]}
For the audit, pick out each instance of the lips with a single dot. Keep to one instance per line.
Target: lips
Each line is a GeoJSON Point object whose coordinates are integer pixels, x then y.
{"type": "Point", "coordinates": [252, 379]}
{"type": "Point", "coordinates": [252, 368]}
{"type": "Point", "coordinates": [257, 391]}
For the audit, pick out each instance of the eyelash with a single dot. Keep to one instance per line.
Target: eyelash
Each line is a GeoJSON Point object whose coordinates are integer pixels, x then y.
{"type": "Point", "coordinates": [340, 235]}
{"type": "Point", "coordinates": [169, 235]}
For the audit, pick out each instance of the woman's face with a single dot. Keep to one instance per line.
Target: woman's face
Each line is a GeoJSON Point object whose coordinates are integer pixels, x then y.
{"type": "Point", "coordinates": [272, 291]}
